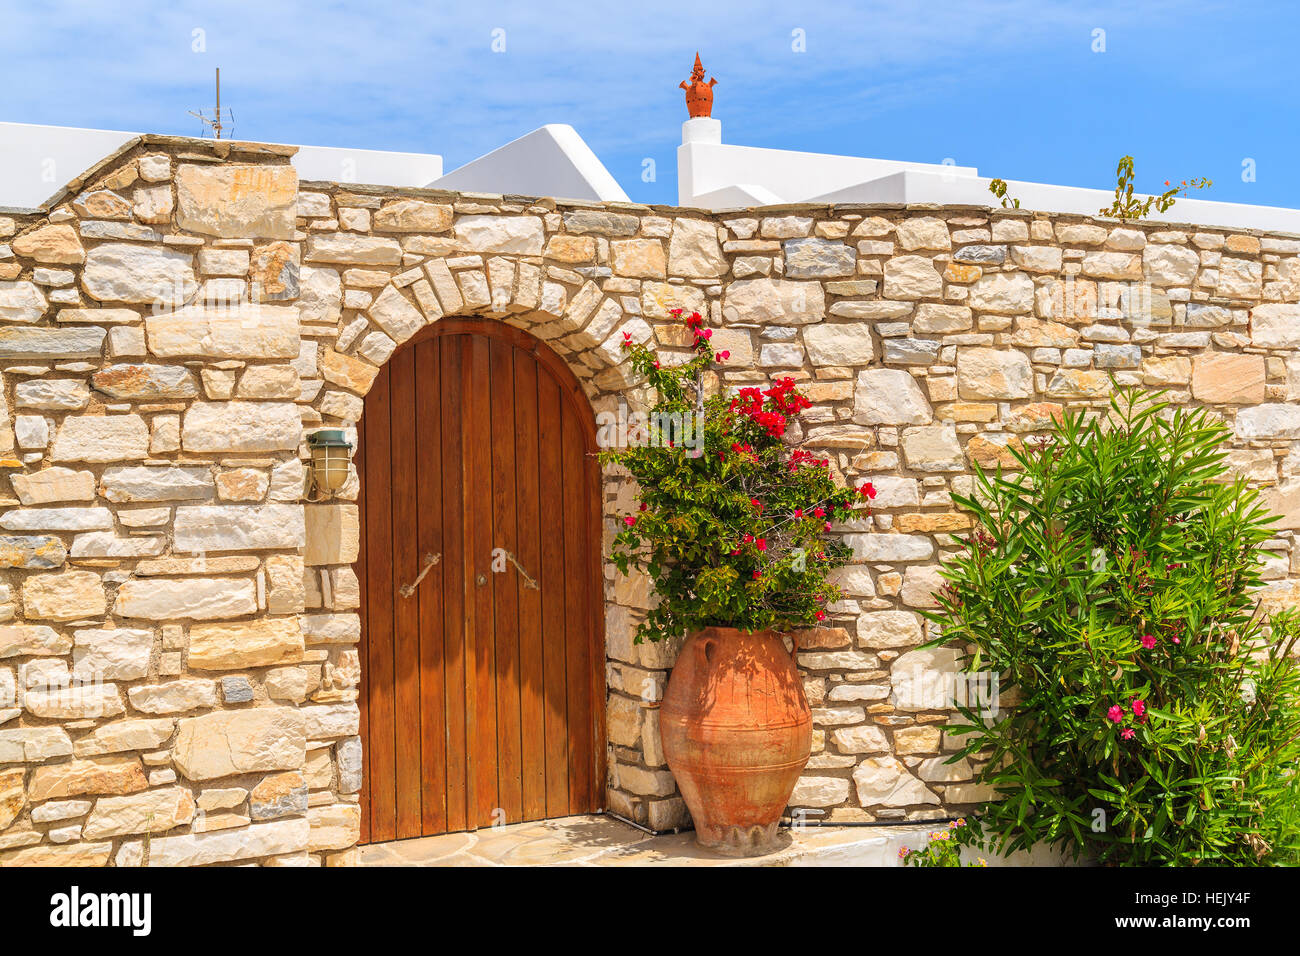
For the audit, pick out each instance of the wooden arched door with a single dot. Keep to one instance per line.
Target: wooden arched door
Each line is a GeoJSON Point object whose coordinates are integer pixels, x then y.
{"type": "Point", "coordinates": [483, 691]}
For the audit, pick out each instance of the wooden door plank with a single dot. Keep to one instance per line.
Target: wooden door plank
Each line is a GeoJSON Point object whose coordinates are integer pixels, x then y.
{"type": "Point", "coordinates": [554, 652]}
{"type": "Point", "coordinates": [453, 634]}
{"type": "Point", "coordinates": [406, 612]}
{"type": "Point", "coordinates": [577, 592]}
{"type": "Point", "coordinates": [507, 583]}
{"type": "Point", "coordinates": [529, 536]}
{"type": "Point", "coordinates": [479, 537]}
{"type": "Point", "coordinates": [379, 587]}
{"type": "Point", "coordinates": [428, 480]}
{"type": "Point", "coordinates": [363, 645]}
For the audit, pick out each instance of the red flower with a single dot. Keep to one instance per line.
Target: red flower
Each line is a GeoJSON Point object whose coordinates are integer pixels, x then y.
{"type": "Point", "coordinates": [819, 512]}
{"type": "Point", "coordinates": [723, 355]}
{"type": "Point", "coordinates": [762, 544]}
{"type": "Point", "coordinates": [826, 526]}
{"type": "Point", "coordinates": [1139, 708]}
{"type": "Point", "coordinates": [1115, 714]}
{"type": "Point", "coordinates": [867, 489]}
{"type": "Point", "coordinates": [630, 521]}
{"type": "Point", "coordinates": [798, 512]}
{"type": "Point", "coordinates": [747, 538]}
{"type": "Point", "coordinates": [644, 506]}
{"type": "Point", "coordinates": [1127, 733]}
{"type": "Point", "coordinates": [821, 615]}
{"type": "Point", "coordinates": [757, 575]}
{"type": "Point", "coordinates": [1148, 641]}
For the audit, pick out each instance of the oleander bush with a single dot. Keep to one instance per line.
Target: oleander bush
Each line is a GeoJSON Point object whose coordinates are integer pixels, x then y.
{"type": "Point", "coordinates": [733, 525]}
{"type": "Point", "coordinates": [1155, 714]}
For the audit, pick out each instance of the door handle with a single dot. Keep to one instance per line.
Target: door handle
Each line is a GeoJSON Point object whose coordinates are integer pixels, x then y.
{"type": "Point", "coordinates": [406, 590]}
{"type": "Point", "coordinates": [528, 578]}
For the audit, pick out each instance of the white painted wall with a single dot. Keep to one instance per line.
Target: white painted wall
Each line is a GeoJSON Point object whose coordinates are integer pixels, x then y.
{"type": "Point", "coordinates": [551, 161]}
{"type": "Point", "coordinates": [38, 161]}
{"type": "Point", "coordinates": [713, 175]}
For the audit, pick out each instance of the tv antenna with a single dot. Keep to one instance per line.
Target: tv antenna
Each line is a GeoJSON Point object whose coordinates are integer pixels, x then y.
{"type": "Point", "coordinates": [216, 120]}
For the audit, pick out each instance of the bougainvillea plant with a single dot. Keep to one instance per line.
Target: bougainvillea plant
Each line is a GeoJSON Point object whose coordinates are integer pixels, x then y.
{"type": "Point", "coordinates": [1112, 584]}
{"type": "Point", "coordinates": [733, 525]}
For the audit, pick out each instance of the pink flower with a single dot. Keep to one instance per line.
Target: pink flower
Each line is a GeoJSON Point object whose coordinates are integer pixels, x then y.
{"type": "Point", "coordinates": [1115, 714]}
{"type": "Point", "coordinates": [723, 355]}
{"type": "Point", "coordinates": [630, 521]}
{"type": "Point", "coordinates": [1127, 733]}
{"type": "Point", "coordinates": [1148, 641]}
{"type": "Point", "coordinates": [1178, 640]}
{"type": "Point", "coordinates": [798, 512]}
{"type": "Point", "coordinates": [826, 526]}
{"type": "Point", "coordinates": [1139, 708]}
{"type": "Point", "coordinates": [821, 615]}
{"type": "Point", "coordinates": [747, 538]}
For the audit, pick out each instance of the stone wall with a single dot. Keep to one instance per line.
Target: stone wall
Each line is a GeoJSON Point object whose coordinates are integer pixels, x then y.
{"type": "Point", "coordinates": [178, 627]}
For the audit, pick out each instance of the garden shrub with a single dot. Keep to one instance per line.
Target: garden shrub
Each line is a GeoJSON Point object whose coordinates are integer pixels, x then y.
{"type": "Point", "coordinates": [1111, 585]}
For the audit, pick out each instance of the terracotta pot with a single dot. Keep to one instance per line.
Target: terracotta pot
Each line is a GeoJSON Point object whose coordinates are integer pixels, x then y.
{"type": "Point", "coordinates": [736, 733]}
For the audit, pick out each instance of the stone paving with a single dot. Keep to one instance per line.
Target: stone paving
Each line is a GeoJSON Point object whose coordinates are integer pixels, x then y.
{"type": "Point", "coordinates": [606, 841]}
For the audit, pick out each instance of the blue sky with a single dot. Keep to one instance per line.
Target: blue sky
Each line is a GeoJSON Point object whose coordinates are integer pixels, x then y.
{"type": "Point", "coordinates": [1013, 87]}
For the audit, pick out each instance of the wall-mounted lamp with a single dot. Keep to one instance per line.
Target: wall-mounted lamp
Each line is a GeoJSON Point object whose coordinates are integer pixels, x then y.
{"type": "Point", "coordinates": [329, 460]}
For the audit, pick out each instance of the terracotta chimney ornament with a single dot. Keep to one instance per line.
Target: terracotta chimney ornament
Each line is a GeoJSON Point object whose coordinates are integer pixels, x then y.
{"type": "Point", "coordinates": [699, 95]}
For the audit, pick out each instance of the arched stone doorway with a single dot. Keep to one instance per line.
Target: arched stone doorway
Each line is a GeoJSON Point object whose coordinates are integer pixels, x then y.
{"type": "Point", "coordinates": [483, 691]}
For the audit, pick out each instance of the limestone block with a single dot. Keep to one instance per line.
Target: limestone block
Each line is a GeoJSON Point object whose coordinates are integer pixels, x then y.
{"type": "Point", "coordinates": [221, 846]}
{"type": "Point", "coordinates": [887, 396]}
{"type": "Point", "coordinates": [259, 643]}
{"type": "Point", "coordinates": [173, 697]}
{"type": "Point", "coordinates": [125, 735]}
{"type": "Point", "coordinates": [1273, 325]}
{"type": "Point", "coordinates": [848, 344]}
{"type": "Point", "coordinates": [155, 483]}
{"type": "Point", "coordinates": [66, 596]}
{"type": "Point", "coordinates": [229, 742]}
{"type": "Point", "coordinates": [333, 534]}
{"type": "Point", "coordinates": [207, 528]}
{"type": "Point", "coordinates": [154, 811]}
{"type": "Point", "coordinates": [884, 629]}
{"type": "Point", "coordinates": [101, 438]}
{"type": "Point", "coordinates": [80, 342]}
{"type": "Point", "coordinates": [237, 202]}
{"type": "Point", "coordinates": [31, 552]}
{"type": "Point", "coordinates": [519, 235]}
{"type": "Point", "coordinates": [203, 599]}
{"type": "Point", "coordinates": [241, 427]}
{"type": "Point", "coordinates": [912, 277]}
{"type": "Point", "coordinates": [335, 826]}
{"type": "Point", "coordinates": [1228, 377]}
{"type": "Point", "coordinates": [32, 640]}
{"type": "Point", "coordinates": [885, 781]}
{"type": "Point", "coordinates": [694, 251]}
{"type": "Point", "coordinates": [112, 775]}
{"type": "Point", "coordinates": [245, 331]}
{"type": "Point", "coordinates": [111, 653]}
{"type": "Point", "coordinates": [774, 302]}
{"type": "Point", "coordinates": [21, 302]}
{"type": "Point", "coordinates": [994, 374]}
{"type": "Point", "coordinates": [58, 244]}
{"type": "Point", "coordinates": [139, 273]}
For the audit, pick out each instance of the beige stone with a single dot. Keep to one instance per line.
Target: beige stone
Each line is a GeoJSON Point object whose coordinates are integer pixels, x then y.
{"type": "Point", "coordinates": [889, 397]}
{"type": "Point", "coordinates": [413, 215]}
{"type": "Point", "coordinates": [12, 795]}
{"type": "Point", "coordinates": [993, 374]}
{"type": "Point", "coordinates": [173, 697]}
{"type": "Point", "coordinates": [136, 273]}
{"type": "Point", "coordinates": [101, 438]}
{"type": "Point", "coordinates": [96, 775]}
{"type": "Point", "coordinates": [155, 811]}
{"type": "Point", "coordinates": [245, 331]}
{"type": "Point", "coordinates": [250, 644]}
{"type": "Point", "coordinates": [21, 302]}
{"type": "Point", "coordinates": [72, 854]}
{"type": "Point", "coordinates": [335, 826]}
{"type": "Point", "coordinates": [333, 534]}
{"type": "Point", "coordinates": [204, 599]}
{"type": "Point", "coordinates": [233, 201]}
{"type": "Point", "coordinates": [51, 245]}
{"type": "Point", "coordinates": [126, 735]}
{"type": "Point", "coordinates": [224, 743]}
{"type": "Point", "coordinates": [885, 781]}
{"type": "Point", "coordinates": [1226, 377]}
{"type": "Point", "coordinates": [912, 277]}
{"type": "Point", "coordinates": [66, 596]}
{"type": "Point", "coordinates": [241, 427]}
{"type": "Point", "coordinates": [694, 251]}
